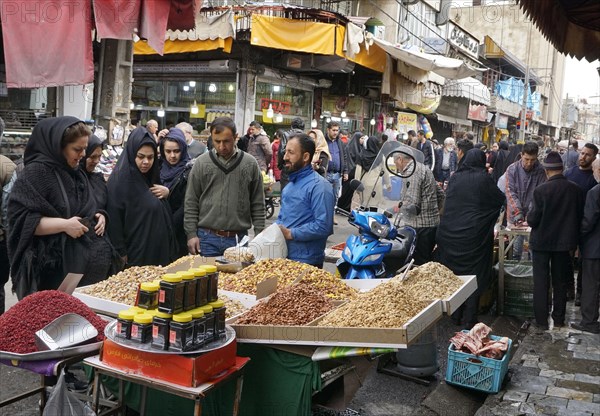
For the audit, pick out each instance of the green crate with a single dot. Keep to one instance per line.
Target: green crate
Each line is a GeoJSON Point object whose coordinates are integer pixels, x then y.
{"type": "Point", "coordinates": [518, 303]}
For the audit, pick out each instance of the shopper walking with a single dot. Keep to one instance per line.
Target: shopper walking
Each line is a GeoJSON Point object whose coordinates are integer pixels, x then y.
{"type": "Point", "coordinates": [465, 235]}
{"type": "Point", "coordinates": [555, 219]}
{"type": "Point", "coordinates": [88, 164]}
{"type": "Point", "coordinates": [259, 146]}
{"type": "Point", "coordinates": [590, 253]}
{"type": "Point", "coordinates": [225, 195]}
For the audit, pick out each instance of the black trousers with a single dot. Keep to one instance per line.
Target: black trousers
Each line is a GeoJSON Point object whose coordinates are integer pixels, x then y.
{"type": "Point", "coordinates": [590, 294]}
{"type": "Point", "coordinates": [550, 266]}
{"type": "Point", "coordinates": [425, 245]}
{"type": "Point", "coordinates": [4, 273]}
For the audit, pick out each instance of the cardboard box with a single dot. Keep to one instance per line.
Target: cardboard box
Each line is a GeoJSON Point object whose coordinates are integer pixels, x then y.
{"type": "Point", "coordinates": [347, 337]}
{"type": "Point", "coordinates": [185, 370]}
{"type": "Point", "coordinates": [449, 304]}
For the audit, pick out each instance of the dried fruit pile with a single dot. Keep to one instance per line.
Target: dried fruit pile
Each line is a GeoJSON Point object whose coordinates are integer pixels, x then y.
{"type": "Point", "coordinates": [287, 271]}
{"type": "Point", "coordinates": [389, 305]}
{"type": "Point", "coordinates": [298, 304]}
{"type": "Point", "coordinates": [20, 323]}
{"type": "Point", "coordinates": [122, 287]}
{"type": "Point", "coordinates": [235, 254]}
{"type": "Point", "coordinates": [193, 260]}
{"type": "Point", "coordinates": [431, 281]}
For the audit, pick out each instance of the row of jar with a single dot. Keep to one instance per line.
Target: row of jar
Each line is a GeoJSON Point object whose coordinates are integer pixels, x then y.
{"type": "Point", "coordinates": [181, 332]}
{"type": "Point", "coordinates": [182, 291]}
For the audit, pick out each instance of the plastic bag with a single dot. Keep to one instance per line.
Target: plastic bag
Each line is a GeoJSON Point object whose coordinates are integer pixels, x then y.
{"type": "Point", "coordinates": [64, 403]}
{"type": "Point", "coordinates": [270, 244]}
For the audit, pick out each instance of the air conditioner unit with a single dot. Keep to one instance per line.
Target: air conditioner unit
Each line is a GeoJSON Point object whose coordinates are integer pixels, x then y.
{"type": "Point", "coordinates": [332, 64]}
{"type": "Point", "coordinates": [223, 64]}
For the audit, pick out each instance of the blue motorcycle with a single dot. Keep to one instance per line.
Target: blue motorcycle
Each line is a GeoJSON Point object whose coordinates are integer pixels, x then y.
{"type": "Point", "coordinates": [381, 248]}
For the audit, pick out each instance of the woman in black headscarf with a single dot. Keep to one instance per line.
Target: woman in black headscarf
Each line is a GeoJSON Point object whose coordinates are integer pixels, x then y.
{"type": "Point", "coordinates": [55, 226]}
{"type": "Point", "coordinates": [368, 155]}
{"type": "Point", "coordinates": [88, 164]}
{"type": "Point", "coordinates": [466, 231]}
{"type": "Point", "coordinates": [140, 226]}
{"type": "Point", "coordinates": [353, 149]}
{"type": "Point", "coordinates": [501, 161]}
{"type": "Point", "coordinates": [175, 167]}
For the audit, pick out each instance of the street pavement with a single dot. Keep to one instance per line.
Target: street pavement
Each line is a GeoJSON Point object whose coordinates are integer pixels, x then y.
{"type": "Point", "coordinates": [555, 372]}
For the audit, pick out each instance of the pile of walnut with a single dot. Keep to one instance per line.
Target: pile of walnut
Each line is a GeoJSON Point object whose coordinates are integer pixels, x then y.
{"type": "Point", "coordinates": [234, 307]}
{"type": "Point", "coordinates": [122, 287]}
{"type": "Point", "coordinates": [298, 304]}
{"type": "Point", "coordinates": [286, 271]}
{"type": "Point", "coordinates": [430, 281]}
{"type": "Point", "coordinates": [386, 306]}
{"type": "Point", "coordinates": [239, 254]}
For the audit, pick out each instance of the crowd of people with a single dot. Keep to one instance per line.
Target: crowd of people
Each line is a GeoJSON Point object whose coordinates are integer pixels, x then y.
{"type": "Point", "coordinates": [170, 195]}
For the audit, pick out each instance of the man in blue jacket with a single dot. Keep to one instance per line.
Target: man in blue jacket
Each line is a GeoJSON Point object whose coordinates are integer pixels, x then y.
{"type": "Point", "coordinates": [307, 203]}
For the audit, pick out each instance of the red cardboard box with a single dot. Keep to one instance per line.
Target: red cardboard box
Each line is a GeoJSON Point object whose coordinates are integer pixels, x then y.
{"type": "Point", "coordinates": [185, 370]}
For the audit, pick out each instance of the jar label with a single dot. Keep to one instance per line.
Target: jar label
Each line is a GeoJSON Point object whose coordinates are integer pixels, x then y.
{"type": "Point", "coordinates": [172, 336]}
{"type": "Point", "coordinates": [154, 331]}
{"type": "Point", "coordinates": [134, 331]}
{"type": "Point", "coordinates": [161, 296]}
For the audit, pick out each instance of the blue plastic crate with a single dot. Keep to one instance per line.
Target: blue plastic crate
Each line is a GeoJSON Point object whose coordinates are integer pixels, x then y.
{"type": "Point", "coordinates": [478, 373]}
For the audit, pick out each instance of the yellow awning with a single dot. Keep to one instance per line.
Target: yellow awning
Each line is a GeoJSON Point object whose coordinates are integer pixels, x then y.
{"type": "Point", "coordinates": [182, 46]}
{"type": "Point", "coordinates": [374, 58]}
{"type": "Point", "coordinates": [292, 35]}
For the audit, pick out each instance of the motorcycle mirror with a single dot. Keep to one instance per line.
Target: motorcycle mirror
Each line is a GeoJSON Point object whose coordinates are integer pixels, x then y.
{"type": "Point", "coordinates": [388, 214]}
{"type": "Point", "coordinates": [357, 185]}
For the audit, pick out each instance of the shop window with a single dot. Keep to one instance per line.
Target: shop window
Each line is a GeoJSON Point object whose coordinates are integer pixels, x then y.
{"type": "Point", "coordinates": [288, 101]}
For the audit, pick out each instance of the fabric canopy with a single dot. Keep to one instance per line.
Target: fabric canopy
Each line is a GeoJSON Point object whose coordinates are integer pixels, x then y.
{"type": "Point", "coordinates": [183, 46]}
{"type": "Point", "coordinates": [42, 47]}
{"type": "Point", "coordinates": [470, 88]}
{"type": "Point", "coordinates": [448, 68]}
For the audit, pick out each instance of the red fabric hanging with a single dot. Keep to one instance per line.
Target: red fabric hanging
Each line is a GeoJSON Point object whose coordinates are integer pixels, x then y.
{"type": "Point", "coordinates": [154, 16]}
{"type": "Point", "coordinates": [47, 43]}
{"type": "Point", "coordinates": [183, 14]}
{"type": "Point", "coordinates": [116, 19]}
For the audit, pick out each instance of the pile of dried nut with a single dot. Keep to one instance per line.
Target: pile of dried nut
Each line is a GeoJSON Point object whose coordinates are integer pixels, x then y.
{"type": "Point", "coordinates": [389, 305]}
{"type": "Point", "coordinates": [298, 304]}
{"type": "Point", "coordinates": [287, 272]}
{"type": "Point", "coordinates": [238, 254]}
{"type": "Point", "coordinates": [122, 287]}
{"type": "Point", "coordinates": [431, 281]}
{"type": "Point", "coordinates": [234, 307]}
{"type": "Point", "coordinates": [193, 260]}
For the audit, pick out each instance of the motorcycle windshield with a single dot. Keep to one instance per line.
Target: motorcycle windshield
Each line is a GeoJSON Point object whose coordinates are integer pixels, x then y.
{"type": "Point", "coordinates": [382, 190]}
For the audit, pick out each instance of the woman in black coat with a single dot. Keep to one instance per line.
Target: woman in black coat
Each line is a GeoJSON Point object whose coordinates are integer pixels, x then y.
{"type": "Point", "coordinates": [88, 164]}
{"type": "Point", "coordinates": [175, 167]}
{"type": "Point", "coordinates": [141, 227]}
{"type": "Point", "coordinates": [465, 235]}
{"type": "Point", "coordinates": [55, 225]}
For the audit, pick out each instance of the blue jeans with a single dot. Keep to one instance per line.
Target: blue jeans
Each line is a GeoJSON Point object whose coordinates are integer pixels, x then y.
{"type": "Point", "coordinates": [212, 245]}
{"type": "Point", "coordinates": [335, 179]}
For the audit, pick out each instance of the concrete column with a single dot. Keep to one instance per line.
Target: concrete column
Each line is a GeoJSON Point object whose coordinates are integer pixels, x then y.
{"type": "Point", "coordinates": [115, 76]}
{"type": "Point", "coordinates": [245, 99]}
{"type": "Point", "coordinates": [76, 101]}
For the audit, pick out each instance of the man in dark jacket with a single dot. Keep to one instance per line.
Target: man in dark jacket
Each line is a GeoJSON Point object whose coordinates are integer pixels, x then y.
{"type": "Point", "coordinates": [337, 170]}
{"type": "Point", "coordinates": [554, 219]}
{"type": "Point", "coordinates": [426, 147]}
{"type": "Point", "coordinates": [590, 252]}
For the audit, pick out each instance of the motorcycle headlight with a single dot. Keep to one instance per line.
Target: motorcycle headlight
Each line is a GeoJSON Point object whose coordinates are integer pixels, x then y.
{"type": "Point", "coordinates": [348, 252]}
{"type": "Point", "coordinates": [378, 229]}
{"type": "Point", "coordinates": [372, 257]}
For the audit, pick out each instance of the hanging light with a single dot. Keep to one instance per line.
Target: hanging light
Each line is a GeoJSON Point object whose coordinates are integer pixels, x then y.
{"type": "Point", "coordinates": [372, 122]}
{"type": "Point", "coordinates": [279, 118]}
{"type": "Point", "coordinates": [212, 87]}
{"type": "Point", "coordinates": [186, 87]}
{"type": "Point", "coordinates": [160, 112]}
{"type": "Point", "coordinates": [343, 114]}
{"type": "Point", "coordinates": [131, 105]}
{"type": "Point", "coordinates": [328, 120]}
{"type": "Point", "coordinates": [270, 111]}
{"type": "Point", "coordinates": [276, 88]}
{"type": "Point", "coordinates": [314, 124]}
{"type": "Point", "coordinates": [192, 84]}
{"type": "Point", "coordinates": [194, 109]}
{"type": "Point", "coordinates": [230, 88]}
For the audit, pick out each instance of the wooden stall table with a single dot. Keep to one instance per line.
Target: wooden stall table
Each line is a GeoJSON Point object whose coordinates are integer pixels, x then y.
{"type": "Point", "coordinates": [503, 249]}
{"type": "Point", "coordinates": [194, 393]}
